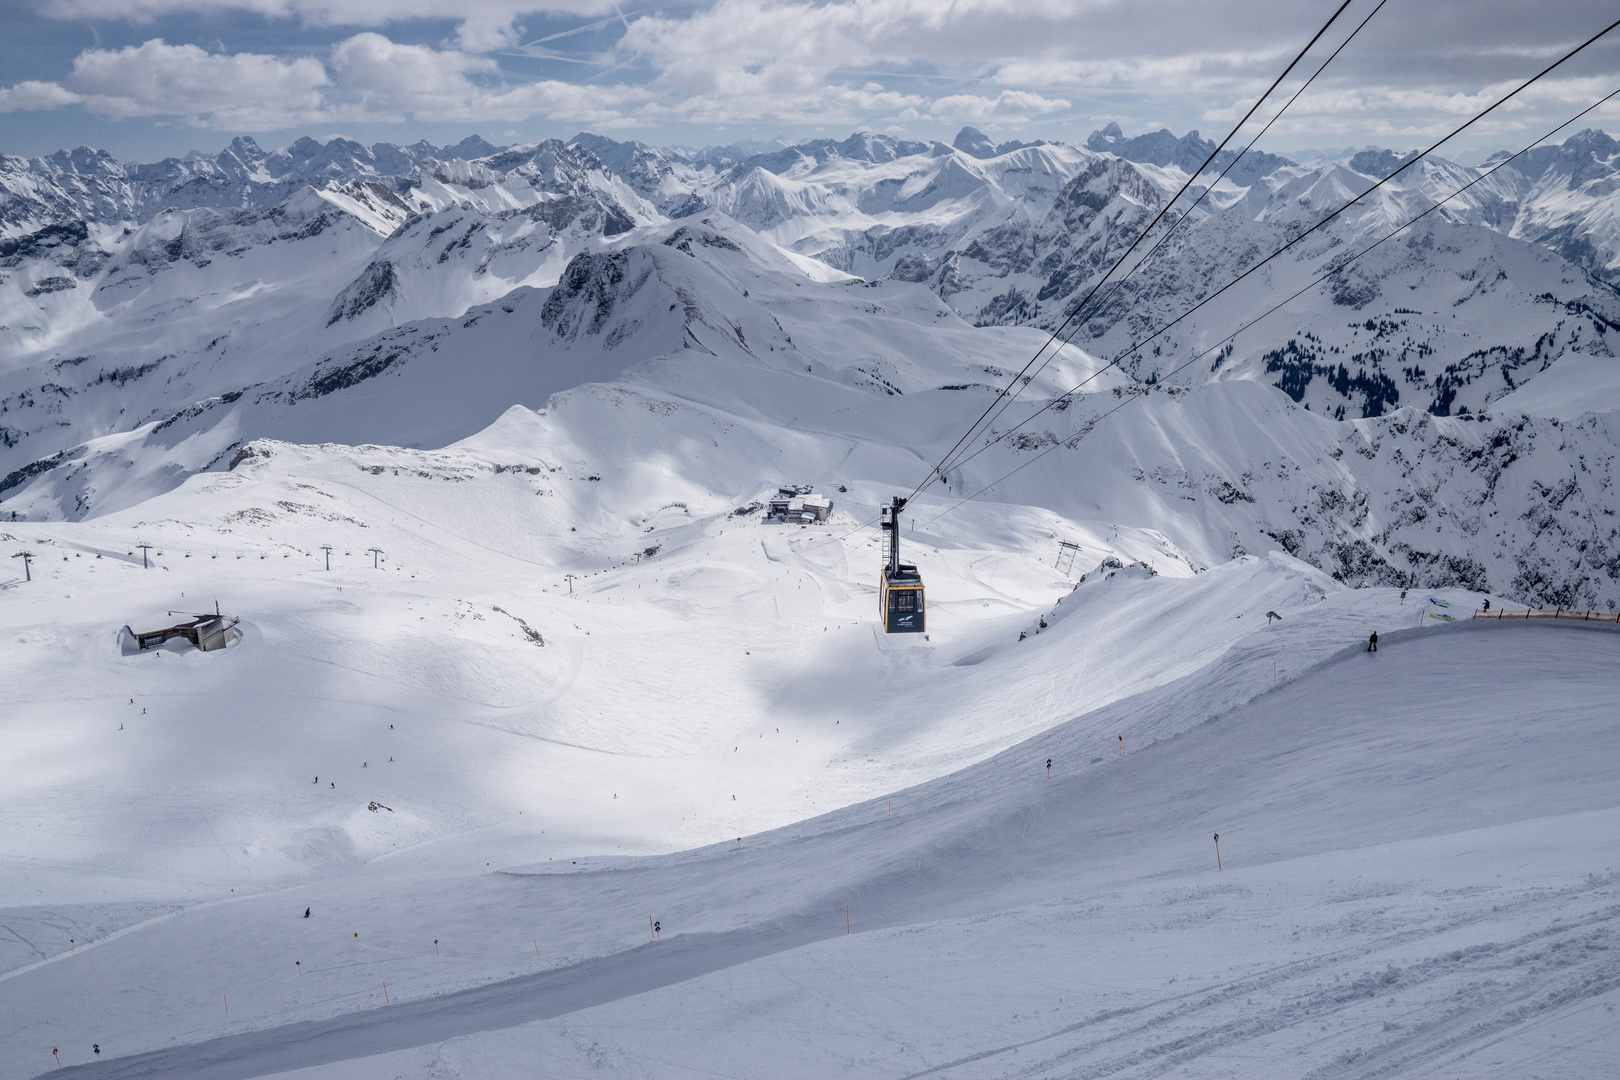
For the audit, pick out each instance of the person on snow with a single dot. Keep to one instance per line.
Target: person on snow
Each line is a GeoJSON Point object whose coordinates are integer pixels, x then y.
{"type": "Point", "coordinates": [1487, 603]}
{"type": "Point", "coordinates": [1372, 642]}
{"type": "Point", "coordinates": [306, 913]}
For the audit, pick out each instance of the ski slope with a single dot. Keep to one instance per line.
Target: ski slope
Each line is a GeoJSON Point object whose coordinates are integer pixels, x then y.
{"type": "Point", "coordinates": [1418, 852]}
{"type": "Point", "coordinates": [520, 670]}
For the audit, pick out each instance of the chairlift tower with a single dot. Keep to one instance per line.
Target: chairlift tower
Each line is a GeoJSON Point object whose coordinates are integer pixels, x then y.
{"type": "Point", "coordinates": [26, 557]}
{"type": "Point", "coordinates": [1067, 550]}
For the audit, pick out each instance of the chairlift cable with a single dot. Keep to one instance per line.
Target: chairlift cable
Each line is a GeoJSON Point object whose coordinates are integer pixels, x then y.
{"type": "Point", "coordinates": [1339, 268]}
{"type": "Point", "coordinates": [1119, 282]}
{"type": "Point", "coordinates": [1140, 237]}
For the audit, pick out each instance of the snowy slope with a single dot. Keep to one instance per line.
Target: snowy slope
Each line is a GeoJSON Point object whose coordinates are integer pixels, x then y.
{"type": "Point", "coordinates": [477, 455]}
{"type": "Point", "coordinates": [999, 850]}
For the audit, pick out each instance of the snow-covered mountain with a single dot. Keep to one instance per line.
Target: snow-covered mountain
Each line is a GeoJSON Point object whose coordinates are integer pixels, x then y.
{"type": "Point", "coordinates": [474, 443]}
{"type": "Point", "coordinates": [867, 274]}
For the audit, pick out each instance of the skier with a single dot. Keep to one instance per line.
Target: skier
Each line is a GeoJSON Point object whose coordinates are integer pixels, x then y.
{"type": "Point", "coordinates": [317, 779]}
{"type": "Point", "coordinates": [334, 786]}
{"type": "Point", "coordinates": [1487, 603]}
{"type": "Point", "coordinates": [1372, 642]}
{"type": "Point", "coordinates": [306, 913]}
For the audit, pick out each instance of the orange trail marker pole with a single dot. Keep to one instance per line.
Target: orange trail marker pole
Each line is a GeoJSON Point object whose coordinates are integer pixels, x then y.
{"type": "Point", "coordinates": [435, 946]}
{"type": "Point", "coordinates": [537, 948]}
{"type": "Point", "coordinates": [227, 1002]}
{"type": "Point", "coordinates": [58, 1058]}
{"type": "Point", "coordinates": [1122, 746]}
{"type": "Point", "coordinates": [649, 928]}
{"type": "Point", "coordinates": [385, 995]}
{"type": "Point", "coordinates": [1217, 851]}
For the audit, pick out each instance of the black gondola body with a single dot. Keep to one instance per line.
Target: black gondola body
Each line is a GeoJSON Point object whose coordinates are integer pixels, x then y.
{"type": "Point", "coordinates": [901, 605]}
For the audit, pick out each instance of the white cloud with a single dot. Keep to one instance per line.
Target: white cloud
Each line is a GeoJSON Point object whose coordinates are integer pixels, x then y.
{"type": "Point", "coordinates": [34, 96]}
{"type": "Point", "coordinates": [483, 25]}
{"type": "Point", "coordinates": [392, 80]}
{"type": "Point", "coordinates": [372, 79]}
{"type": "Point", "coordinates": [379, 79]}
{"type": "Point", "coordinates": [240, 91]}
{"type": "Point", "coordinates": [1010, 106]}
{"type": "Point", "coordinates": [835, 63]}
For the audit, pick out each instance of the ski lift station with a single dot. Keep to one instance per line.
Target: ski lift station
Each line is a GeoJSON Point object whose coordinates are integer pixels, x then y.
{"type": "Point", "coordinates": [798, 506]}
{"type": "Point", "coordinates": [208, 632]}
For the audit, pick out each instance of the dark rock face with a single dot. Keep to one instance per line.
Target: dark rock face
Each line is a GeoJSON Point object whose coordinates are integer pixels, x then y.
{"type": "Point", "coordinates": [376, 284]}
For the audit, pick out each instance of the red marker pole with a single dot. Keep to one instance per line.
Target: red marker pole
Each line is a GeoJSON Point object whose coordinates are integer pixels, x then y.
{"type": "Point", "coordinates": [385, 995]}
{"type": "Point", "coordinates": [537, 948]}
{"type": "Point", "coordinates": [58, 1059]}
{"type": "Point", "coordinates": [649, 928]}
{"type": "Point", "coordinates": [1217, 851]}
{"type": "Point", "coordinates": [1122, 746]}
{"type": "Point", "coordinates": [435, 946]}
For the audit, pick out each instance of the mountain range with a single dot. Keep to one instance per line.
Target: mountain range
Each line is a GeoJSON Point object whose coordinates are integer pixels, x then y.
{"type": "Point", "coordinates": [159, 321]}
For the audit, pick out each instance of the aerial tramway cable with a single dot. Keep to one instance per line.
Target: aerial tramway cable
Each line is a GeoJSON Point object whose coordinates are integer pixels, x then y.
{"type": "Point", "coordinates": [1413, 160]}
{"type": "Point", "coordinates": [1119, 282]}
{"type": "Point", "coordinates": [1338, 268]}
{"type": "Point", "coordinates": [1140, 344]}
{"type": "Point", "coordinates": [1140, 237]}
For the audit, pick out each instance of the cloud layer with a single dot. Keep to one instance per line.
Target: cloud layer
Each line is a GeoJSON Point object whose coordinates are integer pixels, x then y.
{"type": "Point", "coordinates": [895, 64]}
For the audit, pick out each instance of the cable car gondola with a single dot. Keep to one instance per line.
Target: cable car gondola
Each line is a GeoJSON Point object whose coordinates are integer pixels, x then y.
{"type": "Point", "coordinates": [900, 592]}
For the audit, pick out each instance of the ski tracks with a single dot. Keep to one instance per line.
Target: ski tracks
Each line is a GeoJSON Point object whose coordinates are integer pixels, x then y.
{"type": "Point", "coordinates": [1435, 1000]}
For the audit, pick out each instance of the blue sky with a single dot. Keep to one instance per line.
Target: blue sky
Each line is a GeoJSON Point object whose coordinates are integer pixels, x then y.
{"type": "Point", "coordinates": [147, 78]}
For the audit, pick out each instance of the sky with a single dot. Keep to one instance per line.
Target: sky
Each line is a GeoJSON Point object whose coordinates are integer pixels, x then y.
{"type": "Point", "coordinates": [145, 79]}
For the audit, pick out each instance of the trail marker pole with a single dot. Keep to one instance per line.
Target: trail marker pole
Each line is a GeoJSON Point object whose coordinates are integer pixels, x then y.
{"type": "Point", "coordinates": [1217, 851]}
{"type": "Point", "coordinates": [385, 995]}
{"type": "Point", "coordinates": [298, 965]}
{"type": "Point", "coordinates": [846, 918]}
{"type": "Point", "coordinates": [435, 946]}
{"type": "Point", "coordinates": [55, 1055]}
{"type": "Point", "coordinates": [537, 948]}
{"type": "Point", "coordinates": [1274, 673]}
{"type": "Point", "coordinates": [649, 928]}
{"type": "Point", "coordinates": [328, 549]}
{"type": "Point", "coordinates": [1122, 746]}
{"type": "Point", "coordinates": [227, 1002]}
{"type": "Point", "coordinates": [1049, 768]}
